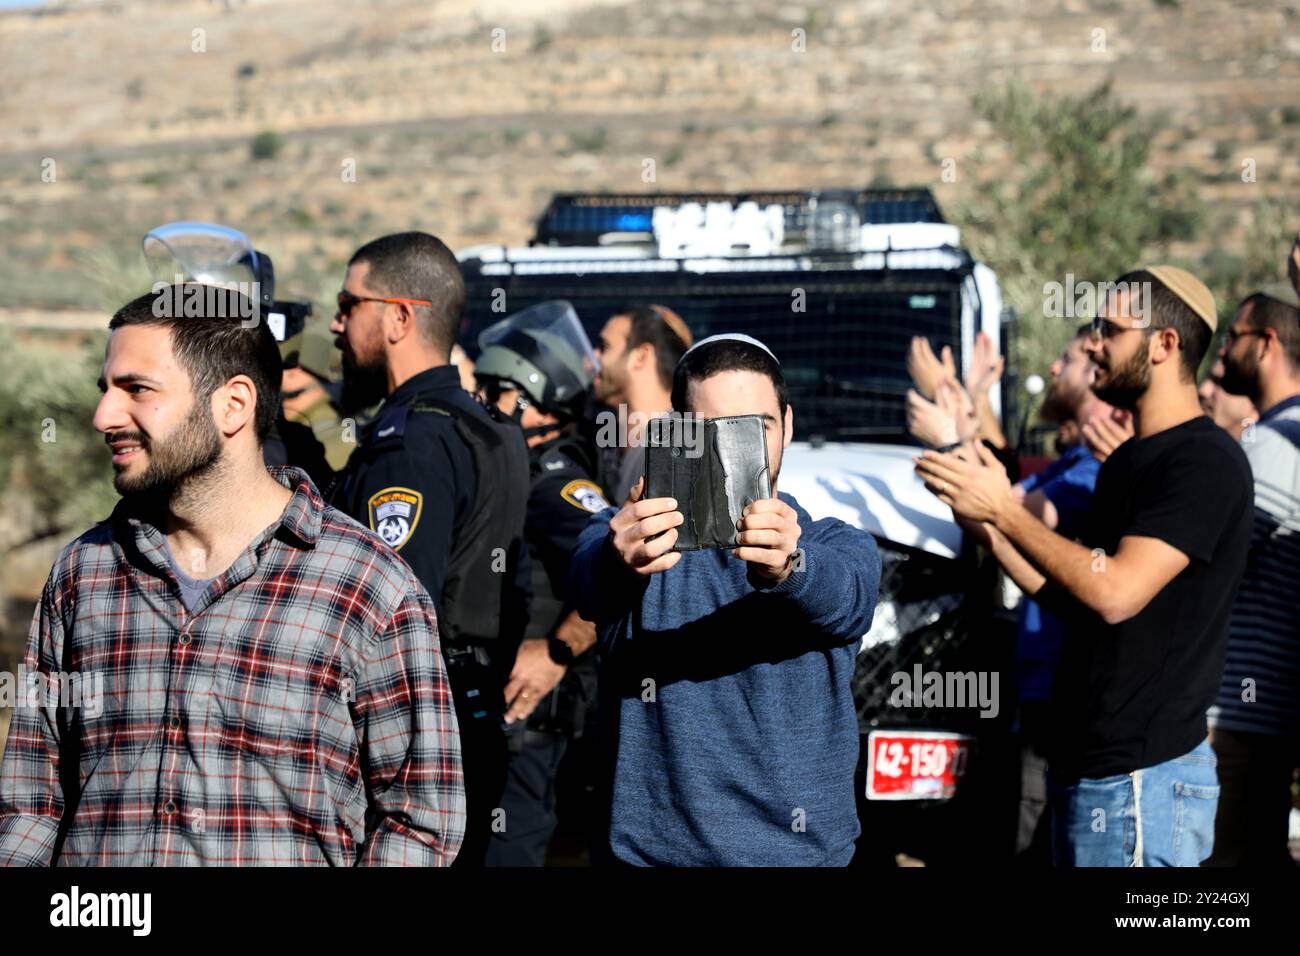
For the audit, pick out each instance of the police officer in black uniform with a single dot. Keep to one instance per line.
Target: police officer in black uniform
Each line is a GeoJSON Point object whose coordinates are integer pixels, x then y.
{"type": "Point", "coordinates": [538, 366]}
{"type": "Point", "coordinates": [444, 481]}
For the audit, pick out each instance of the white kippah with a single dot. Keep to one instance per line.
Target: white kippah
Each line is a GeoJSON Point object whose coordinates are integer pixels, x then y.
{"type": "Point", "coordinates": [733, 337]}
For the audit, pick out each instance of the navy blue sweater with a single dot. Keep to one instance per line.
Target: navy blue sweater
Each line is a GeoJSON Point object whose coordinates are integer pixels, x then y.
{"type": "Point", "coordinates": [737, 736]}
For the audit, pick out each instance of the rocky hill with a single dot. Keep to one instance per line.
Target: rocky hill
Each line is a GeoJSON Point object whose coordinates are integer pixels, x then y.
{"type": "Point", "coordinates": [462, 118]}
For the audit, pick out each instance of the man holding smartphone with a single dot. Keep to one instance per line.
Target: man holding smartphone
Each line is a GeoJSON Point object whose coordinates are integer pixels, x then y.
{"type": "Point", "coordinates": [726, 674]}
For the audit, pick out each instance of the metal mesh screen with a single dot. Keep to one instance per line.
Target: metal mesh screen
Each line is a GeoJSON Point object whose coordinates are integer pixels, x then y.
{"type": "Point", "coordinates": [842, 338]}
{"type": "Point", "coordinates": [924, 616]}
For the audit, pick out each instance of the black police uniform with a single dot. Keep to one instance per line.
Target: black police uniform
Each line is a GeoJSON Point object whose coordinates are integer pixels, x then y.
{"type": "Point", "coordinates": [562, 498]}
{"type": "Point", "coordinates": [414, 481]}
{"type": "Point", "coordinates": [412, 478]}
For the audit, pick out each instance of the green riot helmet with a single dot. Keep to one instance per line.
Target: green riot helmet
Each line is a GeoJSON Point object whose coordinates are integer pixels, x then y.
{"type": "Point", "coordinates": [545, 352]}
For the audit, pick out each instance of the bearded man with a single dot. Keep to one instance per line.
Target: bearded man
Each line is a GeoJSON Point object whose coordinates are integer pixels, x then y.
{"type": "Point", "coordinates": [273, 687]}
{"type": "Point", "coordinates": [1146, 594]}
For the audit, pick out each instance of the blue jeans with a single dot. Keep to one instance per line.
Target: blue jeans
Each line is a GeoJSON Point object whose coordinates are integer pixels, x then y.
{"type": "Point", "coordinates": [1157, 816]}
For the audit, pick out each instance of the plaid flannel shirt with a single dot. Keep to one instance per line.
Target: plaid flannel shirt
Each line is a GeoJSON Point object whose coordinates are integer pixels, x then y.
{"type": "Point", "coordinates": [300, 716]}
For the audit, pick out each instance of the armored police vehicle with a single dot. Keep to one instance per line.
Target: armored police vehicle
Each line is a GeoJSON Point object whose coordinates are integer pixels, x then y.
{"type": "Point", "coordinates": [836, 282]}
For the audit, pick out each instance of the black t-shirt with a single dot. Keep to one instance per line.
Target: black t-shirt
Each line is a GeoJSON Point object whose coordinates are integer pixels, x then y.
{"type": "Point", "coordinates": [1134, 694]}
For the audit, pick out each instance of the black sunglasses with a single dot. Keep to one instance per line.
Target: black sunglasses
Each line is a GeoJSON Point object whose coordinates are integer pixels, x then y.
{"type": "Point", "coordinates": [1233, 335]}
{"type": "Point", "coordinates": [347, 301]}
{"type": "Point", "coordinates": [1100, 328]}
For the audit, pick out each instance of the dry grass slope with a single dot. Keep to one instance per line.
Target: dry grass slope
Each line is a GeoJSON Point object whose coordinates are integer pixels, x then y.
{"type": "Point", "coordinates": [462, 118]}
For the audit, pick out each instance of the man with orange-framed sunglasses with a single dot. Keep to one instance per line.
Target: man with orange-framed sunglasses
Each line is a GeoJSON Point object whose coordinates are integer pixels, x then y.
{"type": "Point", "coordinates": [444, 482]}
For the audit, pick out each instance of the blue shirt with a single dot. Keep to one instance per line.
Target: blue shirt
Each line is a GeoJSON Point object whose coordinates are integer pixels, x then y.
{"type": "Point", "coordinates": [737, 734]}
{"type": "Point", "coordinates": [1068, 484]}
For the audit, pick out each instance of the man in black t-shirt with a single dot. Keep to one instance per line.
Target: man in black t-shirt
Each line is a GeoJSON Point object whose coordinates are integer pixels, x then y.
{"type": "Point", "coordinates": [1145, 594]}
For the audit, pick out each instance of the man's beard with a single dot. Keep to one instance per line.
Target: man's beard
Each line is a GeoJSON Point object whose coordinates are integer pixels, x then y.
{"type": "Point", "coordinates": [1067, 436]}
{"type": "Point", "coordinates": [1240, 375]}
{"type": "Point", "coordinates": [363, 385]}
{"type": "Point", "coordinates": [192, 450]}
{"type": "Point", "coordinates": [610, 388]}
{"type": "Point", "coordinates": [1058, 406]}
{"type": "Point", "coordinates": [1126, 384]}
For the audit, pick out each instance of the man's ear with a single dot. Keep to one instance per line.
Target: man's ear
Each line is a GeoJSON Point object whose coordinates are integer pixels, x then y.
{"type": "Point", "coordinates": [1270, 340]}
{"type": "Point", "coordinates": [1162, 346]}
{"type": "Point", "coordinates": [234, 405]}
{"type": "Point", "coordinates": [789, 426]}
{"type": "Point", "coordinates": [399, 321]}
{"type": "Point", "coordinates": [642, 356]}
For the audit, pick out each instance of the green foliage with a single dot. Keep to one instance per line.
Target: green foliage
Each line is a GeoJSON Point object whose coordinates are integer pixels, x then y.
{"type": "Point", "coordinates": [588, 140]}
{"type": "Point", "coordinates": [1084, 202]}
{"type": "Point", "coordinates": [484, 226]}
{"type": "Point", "coordinates": [266, 145]}
{"type": "Point", "coordinates": [54, 467]}
{"type": "Point", "coordinates": [1233, 274]}
{"type": "Point", "coordinates": [112, 275]}
{"type": "Point", "coordinates": [156, 177]}
{"type": "Point", "coordinates": [300, 217]}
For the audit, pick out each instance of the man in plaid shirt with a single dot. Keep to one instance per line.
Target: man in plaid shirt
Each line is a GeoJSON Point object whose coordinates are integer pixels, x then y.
{"type": "Point", "coordinates": [273, 687]}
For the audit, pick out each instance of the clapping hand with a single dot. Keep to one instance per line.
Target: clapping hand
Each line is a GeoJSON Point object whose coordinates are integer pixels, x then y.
{"type": "Point", "coordinates": [1104, 433]}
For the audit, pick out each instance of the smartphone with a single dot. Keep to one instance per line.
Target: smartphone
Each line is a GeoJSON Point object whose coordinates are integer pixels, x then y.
{"type": "Point", "coordinates": [714, 467]}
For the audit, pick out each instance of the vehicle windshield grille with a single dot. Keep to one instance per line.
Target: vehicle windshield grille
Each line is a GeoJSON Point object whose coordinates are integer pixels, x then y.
{"type": "Point", "coordinates": [842, 341]}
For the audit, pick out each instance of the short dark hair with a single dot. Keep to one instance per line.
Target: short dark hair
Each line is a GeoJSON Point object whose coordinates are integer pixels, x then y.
{"type": "Point", "coordinates": [1167, 311]}
{"type": "Point", "coordinates": [1268, 313]}
{"type": "Point", "coordinates": [663, 329]}
{"type": "Point", "coordinates": [416, 265]}
{"type": "Point", "coordinates": [727, 355]}
{"type": "Point", "coordinates": [215, 345]}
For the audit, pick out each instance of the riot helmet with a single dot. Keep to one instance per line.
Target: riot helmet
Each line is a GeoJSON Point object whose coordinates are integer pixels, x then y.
{"type": "Point", "coordinates": [545, 353]}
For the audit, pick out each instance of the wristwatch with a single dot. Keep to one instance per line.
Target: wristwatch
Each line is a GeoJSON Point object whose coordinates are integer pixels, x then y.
{"type": "Point", "coordinates": [560, 652]}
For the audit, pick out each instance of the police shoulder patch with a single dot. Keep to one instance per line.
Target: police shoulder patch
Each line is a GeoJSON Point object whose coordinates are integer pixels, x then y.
{"type": "Point", "coordinates": [394, 513]}
{"type": "Point", "coordinates": [584, 494]}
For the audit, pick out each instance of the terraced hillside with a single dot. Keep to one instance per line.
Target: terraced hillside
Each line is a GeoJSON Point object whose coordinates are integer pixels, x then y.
{"type": "Point", "coordinates": [462, 118]}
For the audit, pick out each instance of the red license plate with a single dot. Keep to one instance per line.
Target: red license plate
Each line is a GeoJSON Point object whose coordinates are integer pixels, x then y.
{"type": "Point", "coordinates": [916, 765]}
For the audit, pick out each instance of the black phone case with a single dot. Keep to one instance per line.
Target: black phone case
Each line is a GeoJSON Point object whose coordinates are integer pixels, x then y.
{"type": "Point", "coordinates": [714, 468]}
